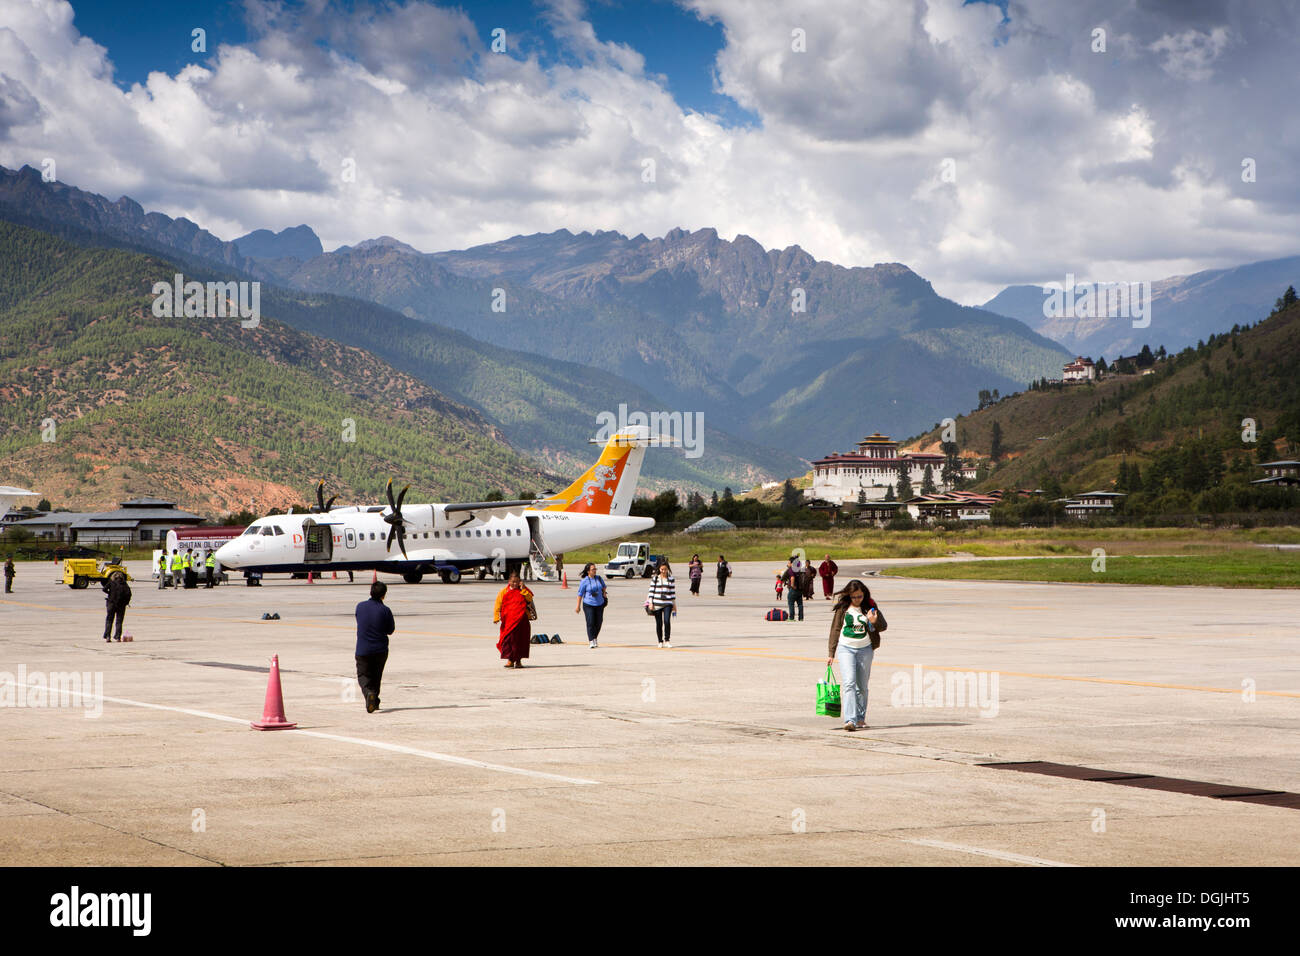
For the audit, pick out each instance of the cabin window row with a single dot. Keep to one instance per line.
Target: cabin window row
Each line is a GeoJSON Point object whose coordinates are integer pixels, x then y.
{"type": "Point", "coordinates": [476, 533]}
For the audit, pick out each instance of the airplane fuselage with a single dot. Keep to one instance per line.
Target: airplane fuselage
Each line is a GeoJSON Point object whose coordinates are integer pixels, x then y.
{"type": "Point", "coordinates": [356, 539]}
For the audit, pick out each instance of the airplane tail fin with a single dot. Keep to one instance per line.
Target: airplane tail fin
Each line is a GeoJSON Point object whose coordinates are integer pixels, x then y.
{"type": "Point", "coordinates": [608, 486]}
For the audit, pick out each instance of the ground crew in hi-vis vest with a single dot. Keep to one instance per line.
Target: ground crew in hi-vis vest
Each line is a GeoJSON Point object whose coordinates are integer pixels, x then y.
{"type": "Point", "coordinates": [176, 567]}
{"type": "Point", "coordinates": [212, 568]}
{"type": "Point", "coordinates": [162, 570]}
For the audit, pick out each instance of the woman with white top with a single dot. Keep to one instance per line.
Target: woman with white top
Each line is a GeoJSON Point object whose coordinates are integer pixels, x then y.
{"type": "Point", "coordinates": [662, 602]}
{"type": "Point", "coordinates": [856, 623]}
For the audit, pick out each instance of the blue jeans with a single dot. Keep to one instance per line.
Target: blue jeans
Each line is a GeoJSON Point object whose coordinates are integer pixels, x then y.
{"type": "Point", "coordinates": [855, 671]}
{"type": "Point", "coordinates": [794, 596]}
{"type": "Point", "coordinates": [664, 623]}
{"type": "Point", "coordinates": [595, 618]}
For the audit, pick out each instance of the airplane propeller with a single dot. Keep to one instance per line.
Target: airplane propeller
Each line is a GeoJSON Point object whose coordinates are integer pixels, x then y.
{"type": "Point", "coordinates": [323, 506]}
{"type": "Point", "coordinates": [397, 524]}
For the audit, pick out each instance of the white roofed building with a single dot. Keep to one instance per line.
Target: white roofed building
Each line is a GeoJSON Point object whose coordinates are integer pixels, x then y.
{"type": "Point", "coordinates": [1080, 370]}
{"type": "Point", "coordinates": [871, 471]}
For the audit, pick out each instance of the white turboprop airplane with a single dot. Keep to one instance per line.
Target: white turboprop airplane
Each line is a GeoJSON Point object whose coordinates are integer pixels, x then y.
{"type": "Point", "coordinates": [451, 538]}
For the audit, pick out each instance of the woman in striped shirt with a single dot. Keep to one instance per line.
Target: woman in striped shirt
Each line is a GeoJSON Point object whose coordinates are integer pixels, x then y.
{"type": "Point", "coordinates": [662, 602]}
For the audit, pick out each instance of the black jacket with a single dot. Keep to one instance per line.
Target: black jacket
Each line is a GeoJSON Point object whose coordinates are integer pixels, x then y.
{"type": "Point", "coordinates": [119, 594]}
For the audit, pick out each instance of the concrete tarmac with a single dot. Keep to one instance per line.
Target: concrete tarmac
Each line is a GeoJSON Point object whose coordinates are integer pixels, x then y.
{"type": "Point", "coordinates": [708, 753]}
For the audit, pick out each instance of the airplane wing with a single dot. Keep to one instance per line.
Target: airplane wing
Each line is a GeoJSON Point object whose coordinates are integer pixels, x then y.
{"type": "Point", "coordinates": [490, 508]}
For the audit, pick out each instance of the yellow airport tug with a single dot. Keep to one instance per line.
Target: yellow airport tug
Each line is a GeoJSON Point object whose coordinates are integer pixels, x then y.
{"type": "Point", "coordinates": [79, 572]}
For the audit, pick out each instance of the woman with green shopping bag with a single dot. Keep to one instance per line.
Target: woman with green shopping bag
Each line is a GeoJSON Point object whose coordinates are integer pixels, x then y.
{"type": "Point", "coordinates": [855, 634]}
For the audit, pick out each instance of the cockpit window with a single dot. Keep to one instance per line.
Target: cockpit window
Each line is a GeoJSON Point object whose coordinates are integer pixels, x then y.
{"type": "Point", "coordinates": [266, 531]}
{"type": "Point", "coordinates": [277, 529]}
{"type": "Point", "coordinates": [252, 529]}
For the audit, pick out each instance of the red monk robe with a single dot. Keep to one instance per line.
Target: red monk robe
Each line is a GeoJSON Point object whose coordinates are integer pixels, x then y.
{"type": "Point", "coordinates": [512, 611]}
{"type": "Point", "coordinates": [828, 570]}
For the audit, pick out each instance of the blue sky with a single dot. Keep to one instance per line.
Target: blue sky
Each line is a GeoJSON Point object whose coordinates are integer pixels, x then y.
{"type": "Point", "coordinates": [981, 142]}
{"type": "Point", "coordinates": [145, 35]}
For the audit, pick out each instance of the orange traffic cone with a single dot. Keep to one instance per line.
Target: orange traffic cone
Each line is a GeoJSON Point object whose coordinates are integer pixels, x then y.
{"type": "Point", "coordinates": [273, 710]}
{"type": "Point", "coordinates": [374, 576]}
{"type": "Point", "coordinates": [565, 583]}
{"type": "Point", "coordinates": [336, 576]}
{"type": "Point", "coordinates": [310, 576]}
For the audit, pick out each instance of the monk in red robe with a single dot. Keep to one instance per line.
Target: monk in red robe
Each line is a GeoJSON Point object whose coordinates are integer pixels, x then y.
{"type": "Point", "coordinates": [511, 610]}
{"type": "Point", "coordinates": [828, 570]}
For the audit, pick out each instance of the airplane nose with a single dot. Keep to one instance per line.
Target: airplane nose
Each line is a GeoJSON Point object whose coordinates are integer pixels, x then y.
{"type": "Point", "coordinates": [227, 555]}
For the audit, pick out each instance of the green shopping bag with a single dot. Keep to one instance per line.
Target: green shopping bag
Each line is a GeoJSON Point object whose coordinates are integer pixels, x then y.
{"type": "Point", "coordinates": [828, 695]}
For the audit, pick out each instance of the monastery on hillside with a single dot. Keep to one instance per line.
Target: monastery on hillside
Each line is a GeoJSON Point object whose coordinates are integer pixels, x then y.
{"type": "Point", "coordinates": [871, 470]}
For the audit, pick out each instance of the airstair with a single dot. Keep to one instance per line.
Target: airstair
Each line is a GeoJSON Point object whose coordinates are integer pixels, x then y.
{"type": "Point", "coordinates": [540, 558]}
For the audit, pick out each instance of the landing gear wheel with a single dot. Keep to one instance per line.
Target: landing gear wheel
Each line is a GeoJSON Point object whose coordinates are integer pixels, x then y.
{"type": "Point", "coordinates": [482, 573]}
{"type": "Point", "coordinates": [413, 577]}
{"type": "Point", "coordinates": [451, 577]}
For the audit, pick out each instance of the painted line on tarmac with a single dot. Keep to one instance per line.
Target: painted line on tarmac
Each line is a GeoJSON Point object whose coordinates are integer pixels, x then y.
{"type": "Point", "coordinates": [996, 854]}
{"type": "Point", "coordinates": [377, 744]}
{"type": "Point", "coordinates": [963, 670]}
{"type": "Point", "coordinates": [795, 657]}
{"type": "Point", "coordinates": [448, 758]}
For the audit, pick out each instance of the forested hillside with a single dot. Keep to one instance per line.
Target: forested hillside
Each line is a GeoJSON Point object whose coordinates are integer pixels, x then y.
{"type": "Point", "coordinates": [204, 410]}
{"type": "Point", "coordinates": [1184, 436]}
{"type": "Point", "coordinates": [546, 406]}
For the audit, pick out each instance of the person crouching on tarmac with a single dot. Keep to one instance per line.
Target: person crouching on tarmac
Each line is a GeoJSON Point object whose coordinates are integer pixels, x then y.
{"type": "Point", "coordinates": [374, 624]}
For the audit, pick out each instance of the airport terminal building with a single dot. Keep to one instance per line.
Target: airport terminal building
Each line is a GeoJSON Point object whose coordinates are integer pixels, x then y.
{"type": "Point", "coordinates": [135, 522]}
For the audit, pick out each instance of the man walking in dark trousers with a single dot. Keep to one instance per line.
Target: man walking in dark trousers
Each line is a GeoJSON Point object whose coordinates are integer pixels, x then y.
{"type": "Point", "coordinates": [117, 598]}
{"type": "Point", "coordinates": [374, 624]}
{"type": "Point", "coordinates": [9, 574]}
{"type": "Point", "coordinates": [793, 581]}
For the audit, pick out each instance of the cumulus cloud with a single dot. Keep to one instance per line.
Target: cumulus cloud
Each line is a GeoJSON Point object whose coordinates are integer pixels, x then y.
{"type": "Point", "coordinates": [1190, 54]}
{"type": "Point", "coordinates": [979, 150]}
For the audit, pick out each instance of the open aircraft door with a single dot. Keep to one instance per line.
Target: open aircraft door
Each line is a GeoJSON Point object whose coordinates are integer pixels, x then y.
{"type": "Point", "coordinates": [318, 541]}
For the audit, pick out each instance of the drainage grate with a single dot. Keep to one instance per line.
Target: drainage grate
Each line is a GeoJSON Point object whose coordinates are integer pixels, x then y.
{"type": "Point", "coordinates": [1196, 788]}
{"type": "Point", "coordinates": [1063, 770]}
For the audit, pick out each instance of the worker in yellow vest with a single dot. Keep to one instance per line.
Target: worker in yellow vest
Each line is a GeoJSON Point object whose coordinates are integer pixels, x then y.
{"type": "Point", "coordinates": [187, 562]}
{"type": "Point", "coordinates": [162, 570]}
{"type": "Point", "coordinates": [212, 568]}
{"type": "Point", "coordinates": [176, 567]}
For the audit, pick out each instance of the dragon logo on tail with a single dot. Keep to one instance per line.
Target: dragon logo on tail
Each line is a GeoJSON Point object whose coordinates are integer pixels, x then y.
{"type": "Point", "coordinates": [601, 475]}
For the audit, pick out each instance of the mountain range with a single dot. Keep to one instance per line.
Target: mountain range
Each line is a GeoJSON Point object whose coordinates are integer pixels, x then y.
{"type": "Point", "coordinates": [788, 357]}
{"type": "Point", "coordinates": [101, 400]}
{"type": "Point", "coordinates": [775, 347]}
{"type": "Point", "coordinates": [541, 407]}
{"type": "Point", "coordinates": [1184, 309]}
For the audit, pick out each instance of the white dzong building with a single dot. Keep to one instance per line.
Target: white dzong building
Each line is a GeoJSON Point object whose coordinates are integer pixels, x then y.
{"type": "Point", "coordinates": [871, 470]}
